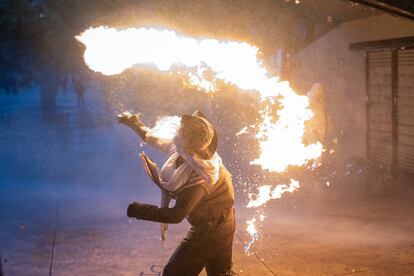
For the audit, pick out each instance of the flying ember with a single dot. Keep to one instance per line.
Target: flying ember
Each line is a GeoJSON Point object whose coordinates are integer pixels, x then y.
{"type": "Point", "coordinates": [111, 51]}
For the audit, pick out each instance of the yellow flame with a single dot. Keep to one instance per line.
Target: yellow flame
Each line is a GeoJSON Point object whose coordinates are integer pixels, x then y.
{"type": "Point", "coordinates": [111, 51]}
{"type": "Point", "coordinates": [281, 142]}
{"type": "Point", "coordinates": [166, 127]}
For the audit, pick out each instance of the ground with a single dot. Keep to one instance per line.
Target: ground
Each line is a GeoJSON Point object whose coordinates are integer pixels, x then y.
{"type": "Point", "coordinates": [57, 224]}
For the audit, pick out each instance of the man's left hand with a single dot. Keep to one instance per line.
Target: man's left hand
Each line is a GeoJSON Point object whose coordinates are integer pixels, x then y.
{"type": "Point", "coordinates": [133, 209]}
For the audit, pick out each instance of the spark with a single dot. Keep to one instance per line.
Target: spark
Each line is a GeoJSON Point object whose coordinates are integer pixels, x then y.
{"type": "Point", "coordinates": [265, 194]}
{"type": "Point", "coordinates": [242, 131]}
{"type": "Point", "coordinates": [254, 234]}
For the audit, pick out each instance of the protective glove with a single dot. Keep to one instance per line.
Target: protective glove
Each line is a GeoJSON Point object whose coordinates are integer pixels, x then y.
{"type": "Point", "coordinates": [133, 209]}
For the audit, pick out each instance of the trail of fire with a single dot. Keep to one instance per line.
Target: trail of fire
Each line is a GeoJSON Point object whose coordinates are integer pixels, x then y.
{"type": "Point", "coordinates": [111, 51]}
{"type": "Point", "coordinates": [265, 194]}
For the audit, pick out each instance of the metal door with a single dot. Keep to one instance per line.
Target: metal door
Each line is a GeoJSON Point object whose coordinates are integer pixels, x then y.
{"type": "Point", "coordinates": [379, 108]}
{"type": "Point", "coordinates": [406, 110]}
{"type": "Point", "coordinates": [390, 108]}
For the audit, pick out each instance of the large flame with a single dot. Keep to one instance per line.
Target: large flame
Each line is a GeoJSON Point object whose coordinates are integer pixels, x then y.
{"type": "Point", "coordinates": [111, 51]}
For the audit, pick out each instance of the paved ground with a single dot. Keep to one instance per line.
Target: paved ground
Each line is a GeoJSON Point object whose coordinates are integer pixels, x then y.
{"type": "Point", "coordinates": [48, 230]}
{"type": "Point", "coordinates": [53, 223]}
{"type": "Point", "coordinates": [88, 235]}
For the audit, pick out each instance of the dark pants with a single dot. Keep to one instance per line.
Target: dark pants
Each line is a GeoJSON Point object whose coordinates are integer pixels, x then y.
{"type": "Point", "coordinates": [208, 246]}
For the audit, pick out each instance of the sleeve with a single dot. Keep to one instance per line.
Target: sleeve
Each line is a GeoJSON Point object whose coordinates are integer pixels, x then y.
{"type": "Point", "coordinates": [187, 199]}
{"type": "Point", "coordinates": [164, 145]}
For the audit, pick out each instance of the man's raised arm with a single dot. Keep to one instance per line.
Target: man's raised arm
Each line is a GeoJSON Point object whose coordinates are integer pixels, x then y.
{"type": "Point", "coordinates": [134, 122]}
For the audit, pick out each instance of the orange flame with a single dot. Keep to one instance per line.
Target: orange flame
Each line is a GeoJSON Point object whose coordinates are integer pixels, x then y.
{"type": "Point", "coordinates": [111, 51]}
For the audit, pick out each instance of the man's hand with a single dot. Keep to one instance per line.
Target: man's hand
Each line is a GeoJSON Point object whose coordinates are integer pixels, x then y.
{"type": "Point", "coordinates": [132, 210]}
{"type": "Point", "coordinates": [134, 122]}
{"type": "Point", "coordinates": [129, 119]}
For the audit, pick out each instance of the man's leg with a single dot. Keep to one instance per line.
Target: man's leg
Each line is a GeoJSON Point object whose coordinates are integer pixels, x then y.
{"type": "Point", "coordinates": [189, 258]}
{"type": "Point", "coordinates": [220, 263]}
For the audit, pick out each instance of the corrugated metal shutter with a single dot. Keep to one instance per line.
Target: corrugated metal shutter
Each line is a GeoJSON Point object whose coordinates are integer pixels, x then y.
{"type": "Point", "coordinates": [384, 138]}
{"type": "Point", "coordinates": [406, 110]}
{"type": "Point", "coordinates": [379, 107]}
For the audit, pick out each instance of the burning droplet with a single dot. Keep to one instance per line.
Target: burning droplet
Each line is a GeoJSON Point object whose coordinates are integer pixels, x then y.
{"type": "Point", "coordinates": [251, 229]}
{"type": "Point", "coordinates": [242, 131]}
{"type": "Point", "coordinates": [266, 193]}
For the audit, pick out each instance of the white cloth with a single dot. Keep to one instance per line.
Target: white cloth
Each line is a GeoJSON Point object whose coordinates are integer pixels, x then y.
{"type": "Point", "coordinates": [173, 179]}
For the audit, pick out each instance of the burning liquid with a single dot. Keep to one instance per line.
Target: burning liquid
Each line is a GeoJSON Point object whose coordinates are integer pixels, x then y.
{"type": "Point", "coordinates": [166, 127]}
{"type": "Point", "coordinates": [111, 51]}
{"type": "Point", "coordinates": [266, 193]}
{"type": "Point", "coordinates": [254, 234]}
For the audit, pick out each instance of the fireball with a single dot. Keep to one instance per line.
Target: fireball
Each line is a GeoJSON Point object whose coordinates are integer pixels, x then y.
{"type": "Point", "coordinates": [111, 51]}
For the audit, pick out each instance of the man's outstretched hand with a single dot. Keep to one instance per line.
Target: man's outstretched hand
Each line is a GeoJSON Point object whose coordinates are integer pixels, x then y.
{"type": "Point", "coordinates": [134, 122]}
{"type": "Point", "coordinates": [130, 119]}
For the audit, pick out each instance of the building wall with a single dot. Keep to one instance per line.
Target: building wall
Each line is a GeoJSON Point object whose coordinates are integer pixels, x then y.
{"type": "Point", "coordinates": [342, 73]}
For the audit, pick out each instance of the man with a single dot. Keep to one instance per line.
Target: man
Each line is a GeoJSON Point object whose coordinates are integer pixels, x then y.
{"type": "Point", "coordinates": [194, 175]}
